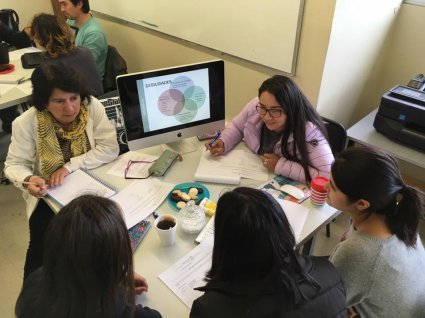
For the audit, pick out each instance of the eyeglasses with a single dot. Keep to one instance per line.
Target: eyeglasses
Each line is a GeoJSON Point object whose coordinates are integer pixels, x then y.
{"type": "Point", "coordinates": [273, 112]}
{"type": "Point", "coordinates": [140, 170]}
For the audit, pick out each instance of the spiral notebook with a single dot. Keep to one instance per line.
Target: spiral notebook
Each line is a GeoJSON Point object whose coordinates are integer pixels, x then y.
{"type": "Point", "coordinates": [80, 182]}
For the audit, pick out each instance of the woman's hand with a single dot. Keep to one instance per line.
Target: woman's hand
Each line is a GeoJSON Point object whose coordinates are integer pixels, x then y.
{"type": "Point", "coordinates": [57, 177]}
{"type": "Point", "coordinates": [270, 160]}
{"type": "Point", "coordinates": [37, 187]}
{"type": "Point", "coordinates": [216, 148]}
{"type": "Point", "coordinates": [140, 283]}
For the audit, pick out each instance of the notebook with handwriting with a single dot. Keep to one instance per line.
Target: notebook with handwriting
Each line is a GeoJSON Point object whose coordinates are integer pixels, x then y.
{"type": "Point", "coordinates": [78, 183]}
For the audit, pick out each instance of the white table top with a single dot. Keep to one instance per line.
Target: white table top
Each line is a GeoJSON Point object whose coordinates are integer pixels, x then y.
{"type": "Point", "coordinates": [364, 133]}
{"type": "Point", "coordinates": [15, 95]}
{"type": "Point", "coordinates": [151, 259]}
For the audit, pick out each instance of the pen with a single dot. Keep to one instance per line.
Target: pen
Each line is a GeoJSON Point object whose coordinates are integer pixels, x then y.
{"type": "Point", "coordinates": [23, 80]}
{"type": "Point", "coordinates": [215, 138]}
{"type": "Point", "coordinates": [25, 182]}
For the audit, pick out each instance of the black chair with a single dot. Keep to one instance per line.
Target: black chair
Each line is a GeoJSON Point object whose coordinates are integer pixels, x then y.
{"type": "Point", "coordinates": [337, 136]}
{"type": "Point", "coordinates": [115, 65]}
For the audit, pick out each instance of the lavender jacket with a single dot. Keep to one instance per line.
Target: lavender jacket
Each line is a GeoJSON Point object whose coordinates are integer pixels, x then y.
{"type": "Point", "coordinates": [247, 126]}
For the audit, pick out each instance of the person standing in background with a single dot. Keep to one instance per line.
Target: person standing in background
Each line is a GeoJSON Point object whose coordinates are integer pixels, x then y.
{"type": "Point", "coordinates": [89, 33]}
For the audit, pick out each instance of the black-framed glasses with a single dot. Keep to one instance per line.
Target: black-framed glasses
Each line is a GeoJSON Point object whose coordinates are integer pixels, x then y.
{"type": "Point", "coordinates": [273, 112]}
{"type": "Point", "coordinates": [132, 163]}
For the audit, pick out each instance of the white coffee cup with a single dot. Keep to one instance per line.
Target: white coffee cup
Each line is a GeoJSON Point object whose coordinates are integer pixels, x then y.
{"type": "Point", "coordinates": [166, 227]}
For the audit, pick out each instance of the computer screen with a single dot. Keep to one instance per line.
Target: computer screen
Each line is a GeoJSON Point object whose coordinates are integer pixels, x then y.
{"type": "Point", "coordinates": [167, 105]}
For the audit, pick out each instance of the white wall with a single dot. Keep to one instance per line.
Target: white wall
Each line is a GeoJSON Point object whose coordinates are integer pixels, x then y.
{"type": "Point", "coordinates": [145, 49]}
{"type": "Point", "coordinates": [27, 8]}
{"type": "Point", "coordinates": [354, 62]}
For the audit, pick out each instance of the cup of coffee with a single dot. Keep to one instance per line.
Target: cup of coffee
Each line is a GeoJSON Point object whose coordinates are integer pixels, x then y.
{"type": "Point", "coordinates": [318, 191]}
{"type": "Point", "coordinates": [166, 227]}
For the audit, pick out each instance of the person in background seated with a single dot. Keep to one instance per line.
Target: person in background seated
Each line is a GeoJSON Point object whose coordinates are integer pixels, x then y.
{"type": "Point", "coordinates": [283, 127]}
{"type": "Point", "coordinates": [18, 39]}
{"type": "Point", "coordinates": [67, 129]}
{"type": "Point", "coordinates": [88, 267]}
{"type": "Point", "coordinates": [56, 37]}
{"type": "Point", "coordinates": [255, 270]}
{"type": "Point", "coordinates": [382, 259]}
{"type": "Point", "coordinates": [89, 32]}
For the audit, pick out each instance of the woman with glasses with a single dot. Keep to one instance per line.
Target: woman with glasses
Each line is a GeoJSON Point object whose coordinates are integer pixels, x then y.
{"type": "Point", "coordinates": [281, 126]}
{"type": "Point", "coordinates": [67, 129]}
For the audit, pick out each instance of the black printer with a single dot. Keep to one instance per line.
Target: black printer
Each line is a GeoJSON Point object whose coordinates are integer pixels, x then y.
{"type": "Point", "coordinates": [401, 114]}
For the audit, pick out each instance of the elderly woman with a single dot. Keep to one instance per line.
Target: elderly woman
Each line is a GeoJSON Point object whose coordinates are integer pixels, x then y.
{"type": "Point", "coordinates": [66, 130]}
{"type": "Point", "coordinates": [57, 39]}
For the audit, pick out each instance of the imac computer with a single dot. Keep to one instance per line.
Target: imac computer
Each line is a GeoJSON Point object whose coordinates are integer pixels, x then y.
{"type": "Point", "coordinates": [167, 105]}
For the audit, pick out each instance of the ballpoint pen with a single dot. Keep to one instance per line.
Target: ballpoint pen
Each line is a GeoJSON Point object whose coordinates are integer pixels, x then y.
{"type": "Point", "coordinates": [215, 138]}
{"type": "Point", "coordinates": [23, 80]}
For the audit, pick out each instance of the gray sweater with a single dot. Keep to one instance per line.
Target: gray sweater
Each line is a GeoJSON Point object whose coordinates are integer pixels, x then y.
{"type": "Point", "coordinates": [382, 277]}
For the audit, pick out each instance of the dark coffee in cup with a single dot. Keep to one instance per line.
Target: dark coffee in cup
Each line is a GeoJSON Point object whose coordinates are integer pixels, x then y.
{"type": "Point", "coordinates": [165, 224]}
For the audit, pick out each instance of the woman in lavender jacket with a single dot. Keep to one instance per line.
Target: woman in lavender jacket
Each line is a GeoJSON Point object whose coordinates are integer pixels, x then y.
{"type": "Point", "coordinates": [281, 126]}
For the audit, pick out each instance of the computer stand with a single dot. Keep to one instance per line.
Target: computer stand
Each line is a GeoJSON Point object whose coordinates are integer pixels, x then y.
{"type": "Point", "coordinates": [182, 147]}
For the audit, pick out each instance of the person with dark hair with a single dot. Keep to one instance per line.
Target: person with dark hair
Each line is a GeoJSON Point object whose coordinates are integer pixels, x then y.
{"type": "Point", "coordinates": [255, 270]}
{"type": "Point", "coordinates": [67, 129]}
{"type": "Point", "coordinates": [283, 127]}
{"type": "Point", "coordinates": [89, 33]}
{"type": "Point", "coordinates": [382, 260]}
{"type": "Point", "coordinates": [88, 267]}
{"type": "Point", "coordinates": [57, 38]}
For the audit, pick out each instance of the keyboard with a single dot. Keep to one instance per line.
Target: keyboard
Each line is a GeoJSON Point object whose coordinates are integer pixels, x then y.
{"type": "Point", "coordinates": [114, 113]}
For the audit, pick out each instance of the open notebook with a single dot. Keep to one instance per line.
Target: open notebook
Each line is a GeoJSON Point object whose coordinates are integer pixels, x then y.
{"type": "Point", "coordinates": [78, 183]}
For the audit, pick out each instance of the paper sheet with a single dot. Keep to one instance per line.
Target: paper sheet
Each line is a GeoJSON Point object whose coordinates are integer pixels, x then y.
{"type": "Point", "coordinates": [4, 88]}
{"type": "Point", "coordinates": [141, 198]}
{"type": "Point", "coordinates": [231, 167]}
{"type": "Point", "coordinates": [136, 170]}
{"type": "Point", "coordinates": [78, 183]}
{"type": "Point", "coordinates": [189, 273]}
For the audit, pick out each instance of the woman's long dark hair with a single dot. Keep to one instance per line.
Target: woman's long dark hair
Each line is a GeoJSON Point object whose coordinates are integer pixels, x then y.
{"type": "Point", "coordinates": [373, 175]}
{"type": "Point", "coordinates": [253, 239]}
{"type": "Point", "coordinates": [299, 111]}
{"type": "Point", "coordinates": [88, 265]}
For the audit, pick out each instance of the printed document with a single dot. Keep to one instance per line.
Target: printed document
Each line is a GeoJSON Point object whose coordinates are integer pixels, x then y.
{"type": "Point", "coordinates": [229, 168]}
{"type": "Point", "coordinates": [137, 170]}
{"type": "Point", "coordinates": [141, 198]}
{"type": "Point", "coordinates": [188, 273]}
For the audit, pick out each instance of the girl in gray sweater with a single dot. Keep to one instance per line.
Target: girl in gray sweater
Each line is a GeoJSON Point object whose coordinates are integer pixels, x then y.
{"type": "Point", "coordinates": [382, 260]}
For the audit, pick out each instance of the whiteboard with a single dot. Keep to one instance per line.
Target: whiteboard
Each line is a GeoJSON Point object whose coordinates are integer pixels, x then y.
{"type": "Point", "coordinates": [264, 32]}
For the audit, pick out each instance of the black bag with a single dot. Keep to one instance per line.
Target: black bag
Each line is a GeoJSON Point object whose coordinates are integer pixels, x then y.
{"type": "Point", "coordinates": [32, 60]}
{"type": "Point", "coordinates": [10, 18]}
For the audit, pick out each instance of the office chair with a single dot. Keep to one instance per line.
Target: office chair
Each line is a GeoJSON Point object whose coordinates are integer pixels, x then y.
{"type": "Point", "coordinates": [337, 137]}
{"type": "Point", "coordinates": [115, 65]}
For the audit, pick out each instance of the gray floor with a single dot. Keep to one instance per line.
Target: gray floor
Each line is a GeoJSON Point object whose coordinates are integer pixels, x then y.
{"type": "Point", "coordinates": [14, 239]}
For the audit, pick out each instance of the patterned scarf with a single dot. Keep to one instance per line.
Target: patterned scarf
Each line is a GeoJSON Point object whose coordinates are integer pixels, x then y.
{"type": "Point", "coordinates": [49, 130]}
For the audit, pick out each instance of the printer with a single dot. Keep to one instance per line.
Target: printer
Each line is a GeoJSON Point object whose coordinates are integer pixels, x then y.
{"type": "Point", "coordinates": [401, 115]}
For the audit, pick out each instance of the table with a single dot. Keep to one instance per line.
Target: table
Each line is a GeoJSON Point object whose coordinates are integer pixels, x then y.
{"type": "Point", "coordinates": [16, 96]}
{"type": "Point", "coordinates": [364, 133]}
{"type": "Point", "coordinates": [151, 259]}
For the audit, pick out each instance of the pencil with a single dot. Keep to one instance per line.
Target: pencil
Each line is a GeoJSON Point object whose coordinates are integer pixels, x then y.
{"type": "Point", "coordinates": [25, 182]}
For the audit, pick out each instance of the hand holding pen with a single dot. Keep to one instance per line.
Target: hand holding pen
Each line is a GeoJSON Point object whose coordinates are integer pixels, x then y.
{"type": "Point", "coordinates": [216, 145]}
{"type": "Point", "coordinates": [36, 186]}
